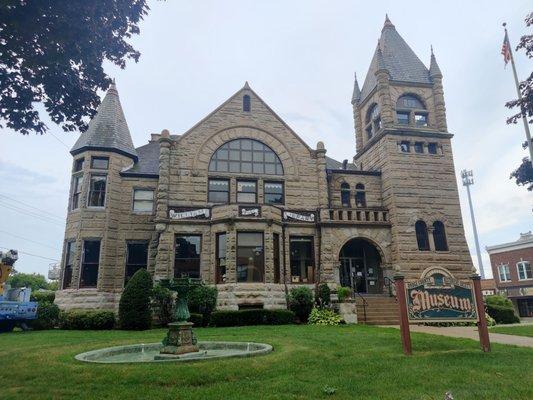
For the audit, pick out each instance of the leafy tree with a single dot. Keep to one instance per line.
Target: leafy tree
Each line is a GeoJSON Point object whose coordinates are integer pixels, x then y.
{"type": "Point", "coordinates": [523, 175]}
{"type": "Point", "coordinates": [52, 53]}
{"type": "Point", "coordinates": [33, 281]}
{"type": "Point", "coordinates": [134, 312]}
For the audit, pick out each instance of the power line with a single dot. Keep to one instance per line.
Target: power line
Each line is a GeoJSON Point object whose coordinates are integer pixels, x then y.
{"type": "Point", "coordinates": [59, 140]}
{"type": "Point", "coordinates": [30, 254]}
{"type": "Point", "coordinates": [29, 240]}
{"type": "Point", "coordinates": [30, 206]}
{"type": "Point", "coordinates": [32, 214]}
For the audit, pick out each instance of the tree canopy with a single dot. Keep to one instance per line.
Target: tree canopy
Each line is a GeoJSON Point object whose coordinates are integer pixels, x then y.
{"type": "Point", "coordinates": [51, 52]}
{"type": "Point", "coordinates": [33, 281]}
{"type": "Point", "coordinates": [523, 175]}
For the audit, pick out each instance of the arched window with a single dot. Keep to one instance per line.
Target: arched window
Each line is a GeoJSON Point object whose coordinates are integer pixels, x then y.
{"type": "Point", "coordinates": [409, 110]}
{"type": "Point", "coordinates": [373, 120]}
{"type": "Point", "coordinates": [345, 194]}
{"type": "Point", "coordinates": [246, 103]}
{"type": "Point", "coordinates": [360, 196]}
{"type": "Point", "coordinates": [246, 156]}
{"type": "Point", "coordinates": [422, 237]}
{"type": "Point", "coordinates": [439, 236]}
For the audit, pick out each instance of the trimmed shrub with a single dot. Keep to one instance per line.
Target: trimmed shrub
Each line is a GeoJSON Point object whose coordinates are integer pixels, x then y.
{"type": "Point", "coordinates": [134, 312]}
{"type": "Point", "coordinates": [343, 293]}
{"type": "Point", "coordinates": [300, 301]}
{"type": "Point", "coordinates": [323, 295]}
{"type": "Point", "coordinates": [501, 309]}
{"type": "Point", "coordinates": [324, 316]}
{"type": "Point", "coordinates": [47, 316]}
{"type": "Point", "coordinates": [43, 296]}
{"type": "Point", "coordinates": [87, 319]}
{"type": "Point", "coordinates": [162, 304]}
{"type": "Point", "coordinates": [202, 300]}
{"type": "Point", "coordinates": [251, 317]}
{"type": "Point", "coordinates": [197, 319]}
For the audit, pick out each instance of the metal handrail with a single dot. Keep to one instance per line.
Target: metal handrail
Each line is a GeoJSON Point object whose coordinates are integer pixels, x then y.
{"type": "Point", "coordinates": [354, 290]}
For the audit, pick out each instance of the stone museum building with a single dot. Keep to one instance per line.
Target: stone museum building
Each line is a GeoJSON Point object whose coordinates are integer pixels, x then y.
{"type": "Point", "coordinates": [241, 201]}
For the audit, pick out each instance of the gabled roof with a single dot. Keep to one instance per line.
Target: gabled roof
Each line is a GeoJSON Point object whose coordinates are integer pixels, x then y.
{"type": "Point", "coordinates": [395, 55]}
{"type": "Point", "coordinates": [108, 130]}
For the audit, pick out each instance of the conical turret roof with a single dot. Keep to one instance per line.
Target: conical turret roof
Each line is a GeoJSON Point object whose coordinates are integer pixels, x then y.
{"type": "Point", "coordinates": [356, 95]}
{"type": "Point", "coordinates": [108, 130]}
{"type": "Point", "coordinates": [394, 54]}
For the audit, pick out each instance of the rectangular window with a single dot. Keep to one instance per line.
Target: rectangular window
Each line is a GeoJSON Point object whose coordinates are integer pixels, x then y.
{"type": "Point", "coordinates": [76, 191]}
{"type": "Point", "coordinates": [276, 257]}
{"type": "Point", "coordinates": [69, 261]}
{"type": "Point", "coordinates": [419, 147]}
{"type": "Point", "coordinates": [218, 191]}
{"type": "Point", "coordinates": [97, 189]}
{"type": "Point", "coordinates": [432, 148]}
{"type": "Point", "coordinates": [250, 257]}
{"type": "Point", "coordinates": [302, 259]}
{"type": "Point", "coordinates": [221, 258]}
{"type": "Point", "coordinates": [421, 119]}
{"type": "Point", "coordinates": [246, 192]}
{"type": "Point", "coordinates": [403, 118]}
{"type": "Point", "coordinates": [524, 270]}
{"type": "Point", "coordinates": [136, 258]}
{"type": "Point", "coordinates": [187, 257]}
{"type": "Point", "coordinates": [405, 146]}
{"type": "Point", "coordinates": [143, 200]}
{"type": "Point", "coordinates": [78, 165]}
{"type": "Point", "coordinates": [99, 162]}
{"type": "Point", "coordinates": [505, 274]}
{"type": "Point", "coordinates": [273, 192]}
{"type": "Point", "coordinates": [90, 263]}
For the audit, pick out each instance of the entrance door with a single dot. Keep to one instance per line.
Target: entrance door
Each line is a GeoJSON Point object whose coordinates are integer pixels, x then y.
{"type": "Point", "coordinates": [360, 267]}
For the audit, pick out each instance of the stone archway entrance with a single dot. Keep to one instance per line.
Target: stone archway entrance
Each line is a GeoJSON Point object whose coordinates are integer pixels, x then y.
{"type": "Point", "coordinates": [360, 266]}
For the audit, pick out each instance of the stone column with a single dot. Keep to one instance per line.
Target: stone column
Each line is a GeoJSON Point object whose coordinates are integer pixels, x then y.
{"type": "Point", "coordinates": [385, 101]}
{"type": "Point", "coordinates": [358, 128]}
{"type": "Point", "coordinates": [322, 178]}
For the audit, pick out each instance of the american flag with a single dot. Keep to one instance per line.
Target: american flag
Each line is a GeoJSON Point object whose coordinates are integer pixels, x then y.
{"type": "Point", "coordinates": [506, 49]}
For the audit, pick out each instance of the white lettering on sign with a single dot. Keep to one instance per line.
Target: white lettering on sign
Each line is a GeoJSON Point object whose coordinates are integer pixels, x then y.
{"type": "Point", "coordinates": [250, 211]}
{"type": "Point", "coordinates": [299, 217]}
{"type": "Point", "coordinates": [189, 214]}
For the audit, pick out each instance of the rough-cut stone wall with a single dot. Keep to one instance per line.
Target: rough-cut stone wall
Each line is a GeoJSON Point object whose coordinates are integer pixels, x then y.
{"type": "Point", "coordinates": [372, 188]}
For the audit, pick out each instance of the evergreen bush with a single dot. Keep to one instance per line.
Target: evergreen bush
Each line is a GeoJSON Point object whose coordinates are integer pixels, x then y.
{"type": "Point", "coordinates": [323, 295]}
{"type": "Point", "coordinates": [197, 319]}
{"type": "Point", "coordinates": [47, 316]}
{"type": "Point", "coordinates": [163, 304]}
{"type": "Point", "coordinates": [251, 317]}
{"type": "Point", "coordinates": [134, 311]}
{"type": "Point", "coordinates": [300, 301]}
{"type": "Point", "coordinates": [203, 300]}
{"type": "Point", "coordinates": [501, 309]}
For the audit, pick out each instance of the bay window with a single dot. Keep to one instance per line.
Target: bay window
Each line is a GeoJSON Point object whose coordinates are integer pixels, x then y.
{"type": "Point", "coordinates": [187, 256]}
{"type": "Point", "coordinates": [90, 263]}
{"type": "Point", "coordinates": [250, 257]}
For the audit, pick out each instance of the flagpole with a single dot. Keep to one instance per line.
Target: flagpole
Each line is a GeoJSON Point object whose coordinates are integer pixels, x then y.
{"type": "Point", "coordinates": [517, 83]}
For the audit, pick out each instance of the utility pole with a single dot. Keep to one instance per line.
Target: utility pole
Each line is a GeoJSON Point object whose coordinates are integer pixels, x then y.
{"type": "Point", "coordinates": [468, 179]}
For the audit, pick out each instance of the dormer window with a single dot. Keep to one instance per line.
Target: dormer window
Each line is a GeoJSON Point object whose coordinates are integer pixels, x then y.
{"type": "Point", "coordinates": [411, 111]}
{"type": "Point", "coordinates": [373, 120]}
{"type": "Point", "coordinates": [246, 106]}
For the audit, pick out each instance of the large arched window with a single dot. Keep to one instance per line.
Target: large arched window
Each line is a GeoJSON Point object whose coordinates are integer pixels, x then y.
{"type": "Point", "coordinates": [410, 110]}
{"type": "Point", "coordinates": [360, 195]}
{"type": "Point", "coordinates": [373, 120]}
{"type": "Point", "coordinates": [345, 194]}
{"type": "Point", "coordinates": [439, 236]}
{"type": "Point", "coordinates": [246, 156]}
{"type": "Point", "coordinates": [422, 237]}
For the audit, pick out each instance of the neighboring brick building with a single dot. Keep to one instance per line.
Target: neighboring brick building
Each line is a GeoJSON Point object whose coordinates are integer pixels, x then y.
{"type": "Point", "coordinates": [241, 201]}
{"type": "Point", "coordinates": [512, 271]}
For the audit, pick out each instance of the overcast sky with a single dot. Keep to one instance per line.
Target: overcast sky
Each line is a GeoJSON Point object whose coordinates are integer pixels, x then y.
{"type": "Point", "coordinates": [299, 56]}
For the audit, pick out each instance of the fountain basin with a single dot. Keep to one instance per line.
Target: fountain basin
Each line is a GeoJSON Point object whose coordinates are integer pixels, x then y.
{"type": "Point", "coordinates": [142, 353]}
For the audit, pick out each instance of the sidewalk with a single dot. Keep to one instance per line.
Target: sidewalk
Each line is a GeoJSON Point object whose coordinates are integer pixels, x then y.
{"type": "Point", "coordinates": [470, 332]}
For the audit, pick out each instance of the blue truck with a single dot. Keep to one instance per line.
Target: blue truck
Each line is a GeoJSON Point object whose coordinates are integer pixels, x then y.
{"type": "Point", "coordinates": [15, 305]}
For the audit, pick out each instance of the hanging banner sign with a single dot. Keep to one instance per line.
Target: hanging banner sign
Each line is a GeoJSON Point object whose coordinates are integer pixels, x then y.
{"type": "Point", "coordinates": [180, 213]}
{"type": "Point", "coordinates": [249, 211]}
{"type": "Point", "coordinates": [299, 216]}
{"type": "Point", "coordinates": [447, 301]}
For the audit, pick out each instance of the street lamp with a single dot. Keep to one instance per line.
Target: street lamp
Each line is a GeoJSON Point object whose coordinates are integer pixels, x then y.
{"type": "Point", "coordinates": [468, 179]}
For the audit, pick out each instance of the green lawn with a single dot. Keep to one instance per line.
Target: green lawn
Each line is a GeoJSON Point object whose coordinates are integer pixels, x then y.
{"type": "Point", "coordinates": [523, 330]}
{"type": "Point", "coordinates": [360, 362]}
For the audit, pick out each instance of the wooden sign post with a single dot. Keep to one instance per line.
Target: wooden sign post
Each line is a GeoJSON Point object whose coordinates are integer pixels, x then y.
{"type": "Point", "coordinates": [482, 321]}
{"type": "Point", "coordinates": [404, 321]}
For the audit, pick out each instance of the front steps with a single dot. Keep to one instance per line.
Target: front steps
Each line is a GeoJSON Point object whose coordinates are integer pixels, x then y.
{"type": "Point", "coordinates": [380, 310]}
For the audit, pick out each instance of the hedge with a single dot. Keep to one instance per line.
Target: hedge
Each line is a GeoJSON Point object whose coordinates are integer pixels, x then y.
{"type": "Point", "coordinates": [47, 316]}
{"type": "Point", "coordinates": [43, 296]}
{"type": "Point", "coordinates": [251, 317]}
{"type": "Point", "coordinates": [197, 319]}
{"type": "Point", "coordinates": [86, 319]}
{"type": "Point", "coordinates": [502, 314]}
